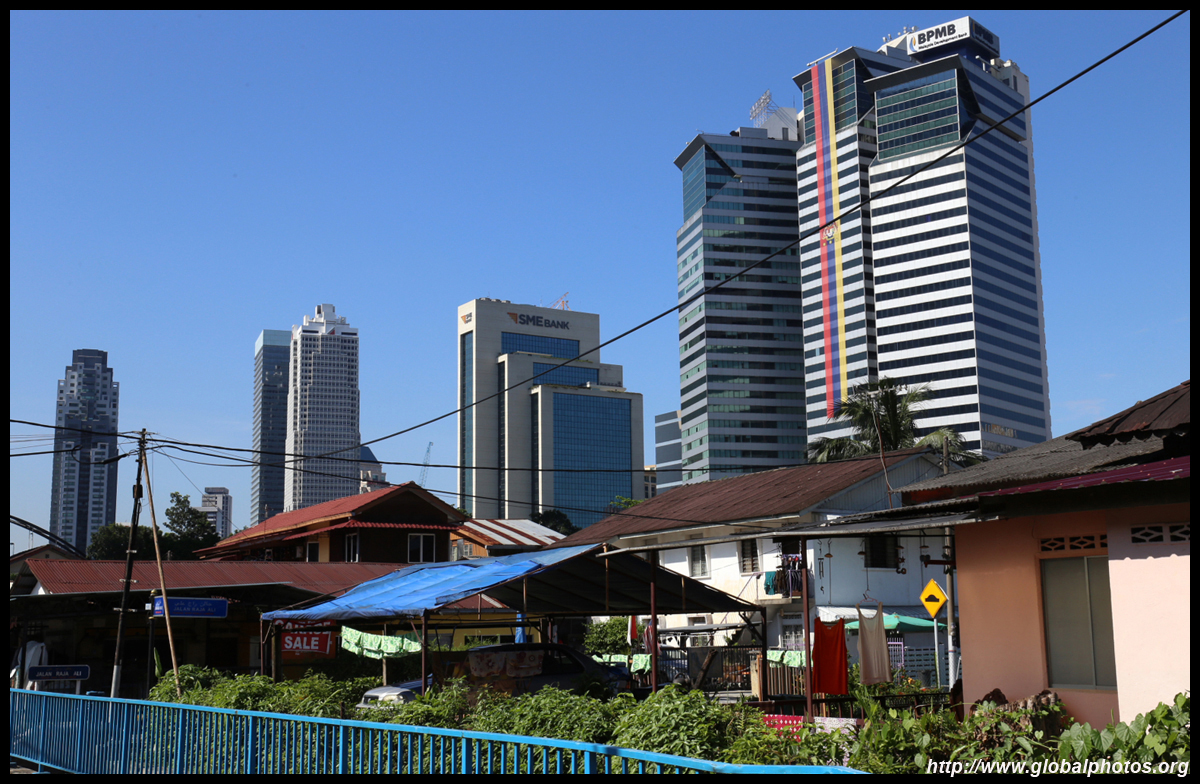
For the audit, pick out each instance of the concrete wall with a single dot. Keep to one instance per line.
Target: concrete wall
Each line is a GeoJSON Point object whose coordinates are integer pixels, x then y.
{"type": "Point", "coordinates": [1152, 608]}
{"type": "Point", "coordinates": [1000, 609]}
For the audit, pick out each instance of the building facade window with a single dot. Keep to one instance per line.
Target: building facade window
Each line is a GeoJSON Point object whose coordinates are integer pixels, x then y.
{"type": "Point", "coordinates": [881, 552]}
{"type": "Point", "coordinates": [697, 561]}
{"type": "Point", "coordinates": [421, 548]}
{"type": "Point", "coordinates": [1077, 608]}
{"type": "Point", "coordinates": [351, 548]}
{"type": "Point", "coordinates": [749, 555]}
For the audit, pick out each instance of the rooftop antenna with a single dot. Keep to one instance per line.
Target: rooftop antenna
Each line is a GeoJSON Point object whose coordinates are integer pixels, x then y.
{"type": "Point", "coordinates": [561, 303]}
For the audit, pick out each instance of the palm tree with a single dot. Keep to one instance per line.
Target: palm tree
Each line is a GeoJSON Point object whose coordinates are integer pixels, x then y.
{"type": "Point", "coordinates": [885, 409]}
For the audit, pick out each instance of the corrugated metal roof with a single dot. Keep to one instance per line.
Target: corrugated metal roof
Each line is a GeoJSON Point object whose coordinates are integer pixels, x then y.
{"type": "Point", "coordinates": [61, 577]}
{"type": "Point", "coordinates": [508, 532]}
{"type": "Point", "coordinates": [1058, 458]}
{"type": "Point", "coordinates": [331, 511]}
{"type": "Point", "coordinates": [775, 493]}
{"type": "Point", "coordinates": [1161, 415]}
{"type": "Point", "coordinates": [1175, 468]}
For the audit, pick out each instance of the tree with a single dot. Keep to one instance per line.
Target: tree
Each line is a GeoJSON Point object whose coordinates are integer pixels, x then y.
{"type": "Point", "coordinates": [611, 636]}
{"type": "Point", "coordinates": [110, 542]}
{"type": "Point", "coordinates": [555, 521]}
{"type": "Point", "coordinates": [885, 409]}
{"type": "Point", "coordinates": [190, 529]}
{"type": "Point", "coordinates": [621, 502]}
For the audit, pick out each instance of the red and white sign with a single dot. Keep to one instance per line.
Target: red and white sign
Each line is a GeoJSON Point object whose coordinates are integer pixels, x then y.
{"type": "Point", "coordinates": [309, 645]}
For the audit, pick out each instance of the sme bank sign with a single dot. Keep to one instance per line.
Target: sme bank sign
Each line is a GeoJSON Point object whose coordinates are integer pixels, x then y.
{"type": "Point", "coordinates": [524, 319]}
{"type": "Point", "coordinates": [949, 32]}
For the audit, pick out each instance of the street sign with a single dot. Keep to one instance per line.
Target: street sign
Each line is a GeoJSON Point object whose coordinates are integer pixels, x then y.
{"type": "Point", "coordinates": [60, 672]}
{"type": "Point", "coordinates": [186, 607]}
{"type": "Point", "coordinates": [933, 597]}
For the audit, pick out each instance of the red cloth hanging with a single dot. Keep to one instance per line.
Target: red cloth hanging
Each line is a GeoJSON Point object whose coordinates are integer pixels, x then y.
{"type": "Point", "coordinates": [830, 673]}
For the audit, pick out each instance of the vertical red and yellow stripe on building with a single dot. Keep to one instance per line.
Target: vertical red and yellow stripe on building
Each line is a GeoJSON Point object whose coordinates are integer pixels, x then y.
{"type": "Point", "coordinates": [828, 198]}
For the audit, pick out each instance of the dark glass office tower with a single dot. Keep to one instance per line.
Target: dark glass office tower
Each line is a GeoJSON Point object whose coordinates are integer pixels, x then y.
{"type": "Point", "coordinates": [740, 347]}
{"type": "Point", "coordinates": [272, 351]}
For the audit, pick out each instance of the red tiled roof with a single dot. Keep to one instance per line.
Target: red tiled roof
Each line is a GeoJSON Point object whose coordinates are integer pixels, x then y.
{"type": "Point", "coordinates": [1175, 468]}
{"type": "Point", "coordinates": [331, 511]}
{"type": "Point", "coordinates": [1161, 415]}
{"type": "Point", "coordinates": [61, 576]}
{"type": "Point", "coordinates": [776, 493]}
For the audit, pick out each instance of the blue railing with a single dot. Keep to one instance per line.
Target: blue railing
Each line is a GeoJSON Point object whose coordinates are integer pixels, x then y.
{"type": "Point", "coordinates": [101, 735]}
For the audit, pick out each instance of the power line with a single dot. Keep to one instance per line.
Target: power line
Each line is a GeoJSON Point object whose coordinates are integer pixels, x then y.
{"type": "Point", "coordinates": [858, 208]}
{"type": "Point", "coordinates": [245, 463]}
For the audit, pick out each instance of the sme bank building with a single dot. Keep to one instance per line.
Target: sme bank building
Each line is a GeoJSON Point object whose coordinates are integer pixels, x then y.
{"type": "Point", "coordinates": [570, 439]}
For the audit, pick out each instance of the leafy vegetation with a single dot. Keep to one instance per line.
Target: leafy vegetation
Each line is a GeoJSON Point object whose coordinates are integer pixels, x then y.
{"type": "Point", "coordinates": [686, 723]}
{"type": "Point", "coordinates": [611, 636]}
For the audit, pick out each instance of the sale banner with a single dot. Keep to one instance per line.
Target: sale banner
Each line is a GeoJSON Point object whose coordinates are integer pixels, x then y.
{"type": "Point", "coordinates": [308, 645]}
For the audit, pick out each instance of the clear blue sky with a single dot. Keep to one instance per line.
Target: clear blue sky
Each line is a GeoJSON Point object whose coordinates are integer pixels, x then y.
{"type": "Point", "coordinates": [181, 181]}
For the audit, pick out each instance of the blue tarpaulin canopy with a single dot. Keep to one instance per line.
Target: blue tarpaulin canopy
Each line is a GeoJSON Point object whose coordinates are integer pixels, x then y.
{"type": "Point", "coordinates": [536, 582]}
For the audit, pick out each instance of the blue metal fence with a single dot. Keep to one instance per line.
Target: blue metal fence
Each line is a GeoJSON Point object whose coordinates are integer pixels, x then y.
{"type": "Point", "coordinates": [100, 735]}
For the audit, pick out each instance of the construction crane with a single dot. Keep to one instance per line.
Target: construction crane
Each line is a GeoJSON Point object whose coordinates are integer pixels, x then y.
{"type": "Point", "coordinates": [561, 303]}
{"type": "Point", "coordinates": [425, 466]}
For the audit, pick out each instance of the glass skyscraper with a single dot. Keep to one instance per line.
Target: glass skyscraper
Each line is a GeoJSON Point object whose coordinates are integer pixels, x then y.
{"type": "Point", "coordinates": [83, 494]}
{"type": "Point", "coordinates": [938, 282]}
{"type": "Point", "coordinates": [571, 439]}
{"type": "Point", "coordinates": [272, 353]}
{"type": "Point", "coordinates": [740, 347]}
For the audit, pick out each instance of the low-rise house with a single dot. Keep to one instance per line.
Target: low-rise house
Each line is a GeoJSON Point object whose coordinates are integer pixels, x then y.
{"type": "Point", "coordinates": [401, 524]}
{"type": "Point", "coordinates": [726, 534]}
{"type": "Point", "coordinates": [1074, 562]}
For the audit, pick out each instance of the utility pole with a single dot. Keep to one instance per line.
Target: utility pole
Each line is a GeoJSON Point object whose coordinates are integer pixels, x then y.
{"type": "Point", "coordinates": [162, 581]}
{"type": "Point", "coordinates": [951, 626]}
{"type": "Point", "coordinates": [128, 581]}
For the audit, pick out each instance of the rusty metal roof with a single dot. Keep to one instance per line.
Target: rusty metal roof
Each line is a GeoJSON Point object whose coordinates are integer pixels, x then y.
{"type": "Point", "coordinates": [492, 533]}
{"type": "Point", "coordinates": [74, 577]}
{"type": "Point", "coordinates": [1169, 413]}
{"type": "Point", "coordinates": [1057, 458]}
{"type": "Point", "coordinates": [1174, 468]}
{"type": "Point", "coordinates": [335, 511]}
{"type": "Point", "coordinates": [776, 493]}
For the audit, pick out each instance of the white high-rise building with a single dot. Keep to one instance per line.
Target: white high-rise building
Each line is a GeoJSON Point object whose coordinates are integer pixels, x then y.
{"type": "Point", "coordinates": [217, 503]}
{"type": "Point", "coordinates": [83, 494]}
{"type": "Point", "coordinates": [323, 410]}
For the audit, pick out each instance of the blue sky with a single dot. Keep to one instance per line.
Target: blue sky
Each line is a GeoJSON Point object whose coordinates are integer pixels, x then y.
{"type": "Point", "coordinates": [180, 181]}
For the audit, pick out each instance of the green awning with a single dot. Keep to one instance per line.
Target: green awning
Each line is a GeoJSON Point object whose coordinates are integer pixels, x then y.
{"type": "Point", "coordinates": [901, 623]}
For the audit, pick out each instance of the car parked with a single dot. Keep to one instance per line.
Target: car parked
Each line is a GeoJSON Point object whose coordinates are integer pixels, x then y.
{"type": "Point", "coordinates": [557, 666]}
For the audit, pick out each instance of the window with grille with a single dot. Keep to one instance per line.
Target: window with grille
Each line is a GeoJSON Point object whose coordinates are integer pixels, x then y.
{"type": "Point", "coordinates": [749, 555]}
{"type": "Point", "coordinates": [880, 552]}
{"type": "Point", "coordinates": [697, 561]}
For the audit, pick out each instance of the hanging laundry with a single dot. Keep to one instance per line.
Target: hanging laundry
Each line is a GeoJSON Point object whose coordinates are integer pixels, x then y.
{"type": "Point", "coordinates": [873, 659]}
{"type": "Point", "coordinates": [524, 664]}
{"type": "Point", "coordinates": [769, 583]}
{"type": "Point", "coordinates": [830, 674]}
{"type": "Point", "coordinates": [487, 664]}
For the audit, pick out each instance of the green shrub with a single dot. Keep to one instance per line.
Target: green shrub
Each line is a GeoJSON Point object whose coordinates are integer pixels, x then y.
{"type": "Point", "coordinates": [549, 713]}
{"type": "Point", "coordinates": [445, 706]}
{"type": "Point", "coordinates": [1162, 735]}
{"type": "Point", "coordinates": [673, 722]}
